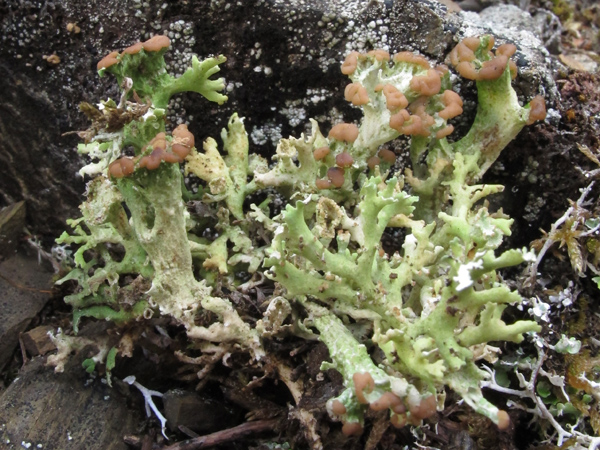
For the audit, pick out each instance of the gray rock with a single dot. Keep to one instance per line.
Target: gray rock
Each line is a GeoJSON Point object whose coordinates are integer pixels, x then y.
{"type": "Point", "coordinates": [549, 29]}
{"type": "Point", "coordinates": [42, 409]}
{"type": "Point", "coordinates": [507, 17]}
{"type": "Point", "coordinates": [24, 290]}
{"type": "Point", "coordinates": [282, 68]}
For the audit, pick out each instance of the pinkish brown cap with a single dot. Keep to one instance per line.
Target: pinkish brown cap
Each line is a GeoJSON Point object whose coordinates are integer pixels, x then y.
{"type": "Point", "coordinates": [108, 60]}
{"type": "Point", "coordinates": [345, 132]}
{"type": "Point", "coordinates": [156, 43]}
{"type": "Point", "coordinates": [133, 49]}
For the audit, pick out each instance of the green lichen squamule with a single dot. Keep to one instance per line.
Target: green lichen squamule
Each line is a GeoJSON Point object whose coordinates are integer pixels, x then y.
{"type": "Point", "coordinates": [432, 306]}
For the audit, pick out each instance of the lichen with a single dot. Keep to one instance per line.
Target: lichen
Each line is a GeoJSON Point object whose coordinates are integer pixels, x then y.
{"type": "Point", "coordinates": [431, 306]}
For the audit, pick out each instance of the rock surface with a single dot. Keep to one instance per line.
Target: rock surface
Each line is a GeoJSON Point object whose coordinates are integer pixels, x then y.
{"type": "Point", "coordinates": [282, 69]}
{"type": "Point", "coordinates": [12, 221]}
{"type": "Point", "coordinates": [24, 290]}
{"type": "Point", "coordinates": [42, 409]}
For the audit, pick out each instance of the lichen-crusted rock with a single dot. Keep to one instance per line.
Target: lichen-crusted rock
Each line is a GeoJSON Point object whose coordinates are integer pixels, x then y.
{"type": "Point", "coordinates": [282, 62]}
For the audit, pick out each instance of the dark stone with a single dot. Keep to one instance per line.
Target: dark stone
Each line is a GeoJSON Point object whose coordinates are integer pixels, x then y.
{"type": "Point", "coordinates": [62, 411]}
{"type": "Point", "coordinates": [24, 290]}
{"type": "Point", "coordinates": [12, 222]}
{"type": "Point", "coordinates": [36, 164]}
